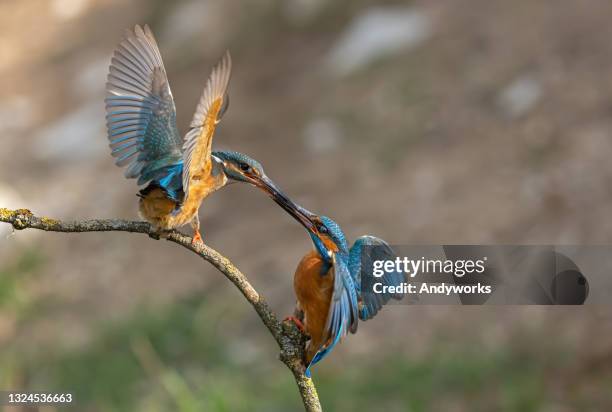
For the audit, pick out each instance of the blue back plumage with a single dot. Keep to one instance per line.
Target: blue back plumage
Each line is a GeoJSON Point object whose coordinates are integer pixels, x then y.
{"type": "Point", "coordinates": [171, 181]}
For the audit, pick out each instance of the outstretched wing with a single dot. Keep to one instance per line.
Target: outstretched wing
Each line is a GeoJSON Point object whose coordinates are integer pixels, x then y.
{"type": "Point", "coordinates": [343, 310]}
{"type": "Point", "coordinates": [369, 249]}
{"type": "Point", "coordinates": [212, 106]}
{"type": "Point", "coordinates": [140, 112]}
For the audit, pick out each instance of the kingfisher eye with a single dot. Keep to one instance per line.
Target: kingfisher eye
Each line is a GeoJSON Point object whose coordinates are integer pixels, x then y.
{"type": "Point", "coordinates": [322, 228]}
{"type": "Point", "coordinates": [244, 167]}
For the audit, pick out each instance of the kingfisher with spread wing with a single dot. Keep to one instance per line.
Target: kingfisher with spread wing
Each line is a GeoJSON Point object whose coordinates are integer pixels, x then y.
{"type": "Point", "coordinates": [328, 283]}
{"type": "Point", "coordinates": [141, 123]}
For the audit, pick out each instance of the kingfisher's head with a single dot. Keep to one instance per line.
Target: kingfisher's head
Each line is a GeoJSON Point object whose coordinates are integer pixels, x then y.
{"type": "Point", "coordinates": [326, 234]}
{"type": "Point", "coordinates": [239, 167]}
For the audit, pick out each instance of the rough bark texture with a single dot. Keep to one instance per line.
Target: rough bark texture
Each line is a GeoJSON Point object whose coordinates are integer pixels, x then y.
{"type": "Point", "coordinates": [290, 340]}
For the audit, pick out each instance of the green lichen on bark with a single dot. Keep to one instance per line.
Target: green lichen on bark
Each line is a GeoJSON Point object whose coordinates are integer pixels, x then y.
{"type": "Point", "coordinates": [47, 221]}
{"type": "Point", "coordinates": [6, 214]}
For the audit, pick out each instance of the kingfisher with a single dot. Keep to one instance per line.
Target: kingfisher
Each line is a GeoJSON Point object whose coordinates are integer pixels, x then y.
{"type": "Point", "coordinates": [141, 121]}
{"type": "Point", "coordinates": [327, 283]}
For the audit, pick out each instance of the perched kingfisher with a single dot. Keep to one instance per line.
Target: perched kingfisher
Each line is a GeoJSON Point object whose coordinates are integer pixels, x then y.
{"type": "Point", "coordinates": [327, 283]}
{"type": "Point", "coordinates": [141, 123]}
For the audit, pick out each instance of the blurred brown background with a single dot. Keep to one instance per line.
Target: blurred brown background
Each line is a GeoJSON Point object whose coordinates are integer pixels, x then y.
{"type": "Point", "coordinates": [418, 122]}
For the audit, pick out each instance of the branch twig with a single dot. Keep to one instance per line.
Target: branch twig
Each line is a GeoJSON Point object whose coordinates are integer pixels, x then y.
{"type": "Point", "coordinates": [289, 338]}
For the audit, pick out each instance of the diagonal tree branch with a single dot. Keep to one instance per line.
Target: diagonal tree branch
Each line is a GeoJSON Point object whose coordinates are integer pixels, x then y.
{"type": "Point", "coordinates": [289, 338]}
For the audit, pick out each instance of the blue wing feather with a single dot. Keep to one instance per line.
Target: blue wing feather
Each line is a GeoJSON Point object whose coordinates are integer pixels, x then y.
{"type": "Point", "coordinates": [370, 248]}
{"type": "Point", "coordinates": [323, 352]}
{"type": "Point", "coordinates": [140, 113]}
{"type": "Point", "coordinates": [343, 311]}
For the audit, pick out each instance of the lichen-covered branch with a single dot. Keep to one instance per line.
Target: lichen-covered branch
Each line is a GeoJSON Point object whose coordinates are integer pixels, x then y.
{"type": "Point", "coordinates": [289, 338]}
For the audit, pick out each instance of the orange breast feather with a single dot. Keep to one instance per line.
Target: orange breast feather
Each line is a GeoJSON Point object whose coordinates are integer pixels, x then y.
{"type": "Point", "coordinates": [198, 191]}
{"type": "Point", "coordinates": [314, 293]}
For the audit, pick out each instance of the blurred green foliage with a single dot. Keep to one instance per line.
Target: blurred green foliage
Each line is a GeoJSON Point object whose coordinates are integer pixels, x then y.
{"type": "Point", "coordinates": [14, 276]}
{"type": "Point", "coordinates": [179, 357]}
{"type": "Point", "coordinates": [173, 359]}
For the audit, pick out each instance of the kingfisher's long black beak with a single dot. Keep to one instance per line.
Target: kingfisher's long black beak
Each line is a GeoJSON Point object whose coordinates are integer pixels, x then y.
{"type": "Point", "coordinates": [299, 213]}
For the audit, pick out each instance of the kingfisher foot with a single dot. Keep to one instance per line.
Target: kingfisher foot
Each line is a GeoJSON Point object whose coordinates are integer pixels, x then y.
{"type": "Point", "coordinates": [297, 323]}
{"type": "Point", "coordinates": [196, 238]}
